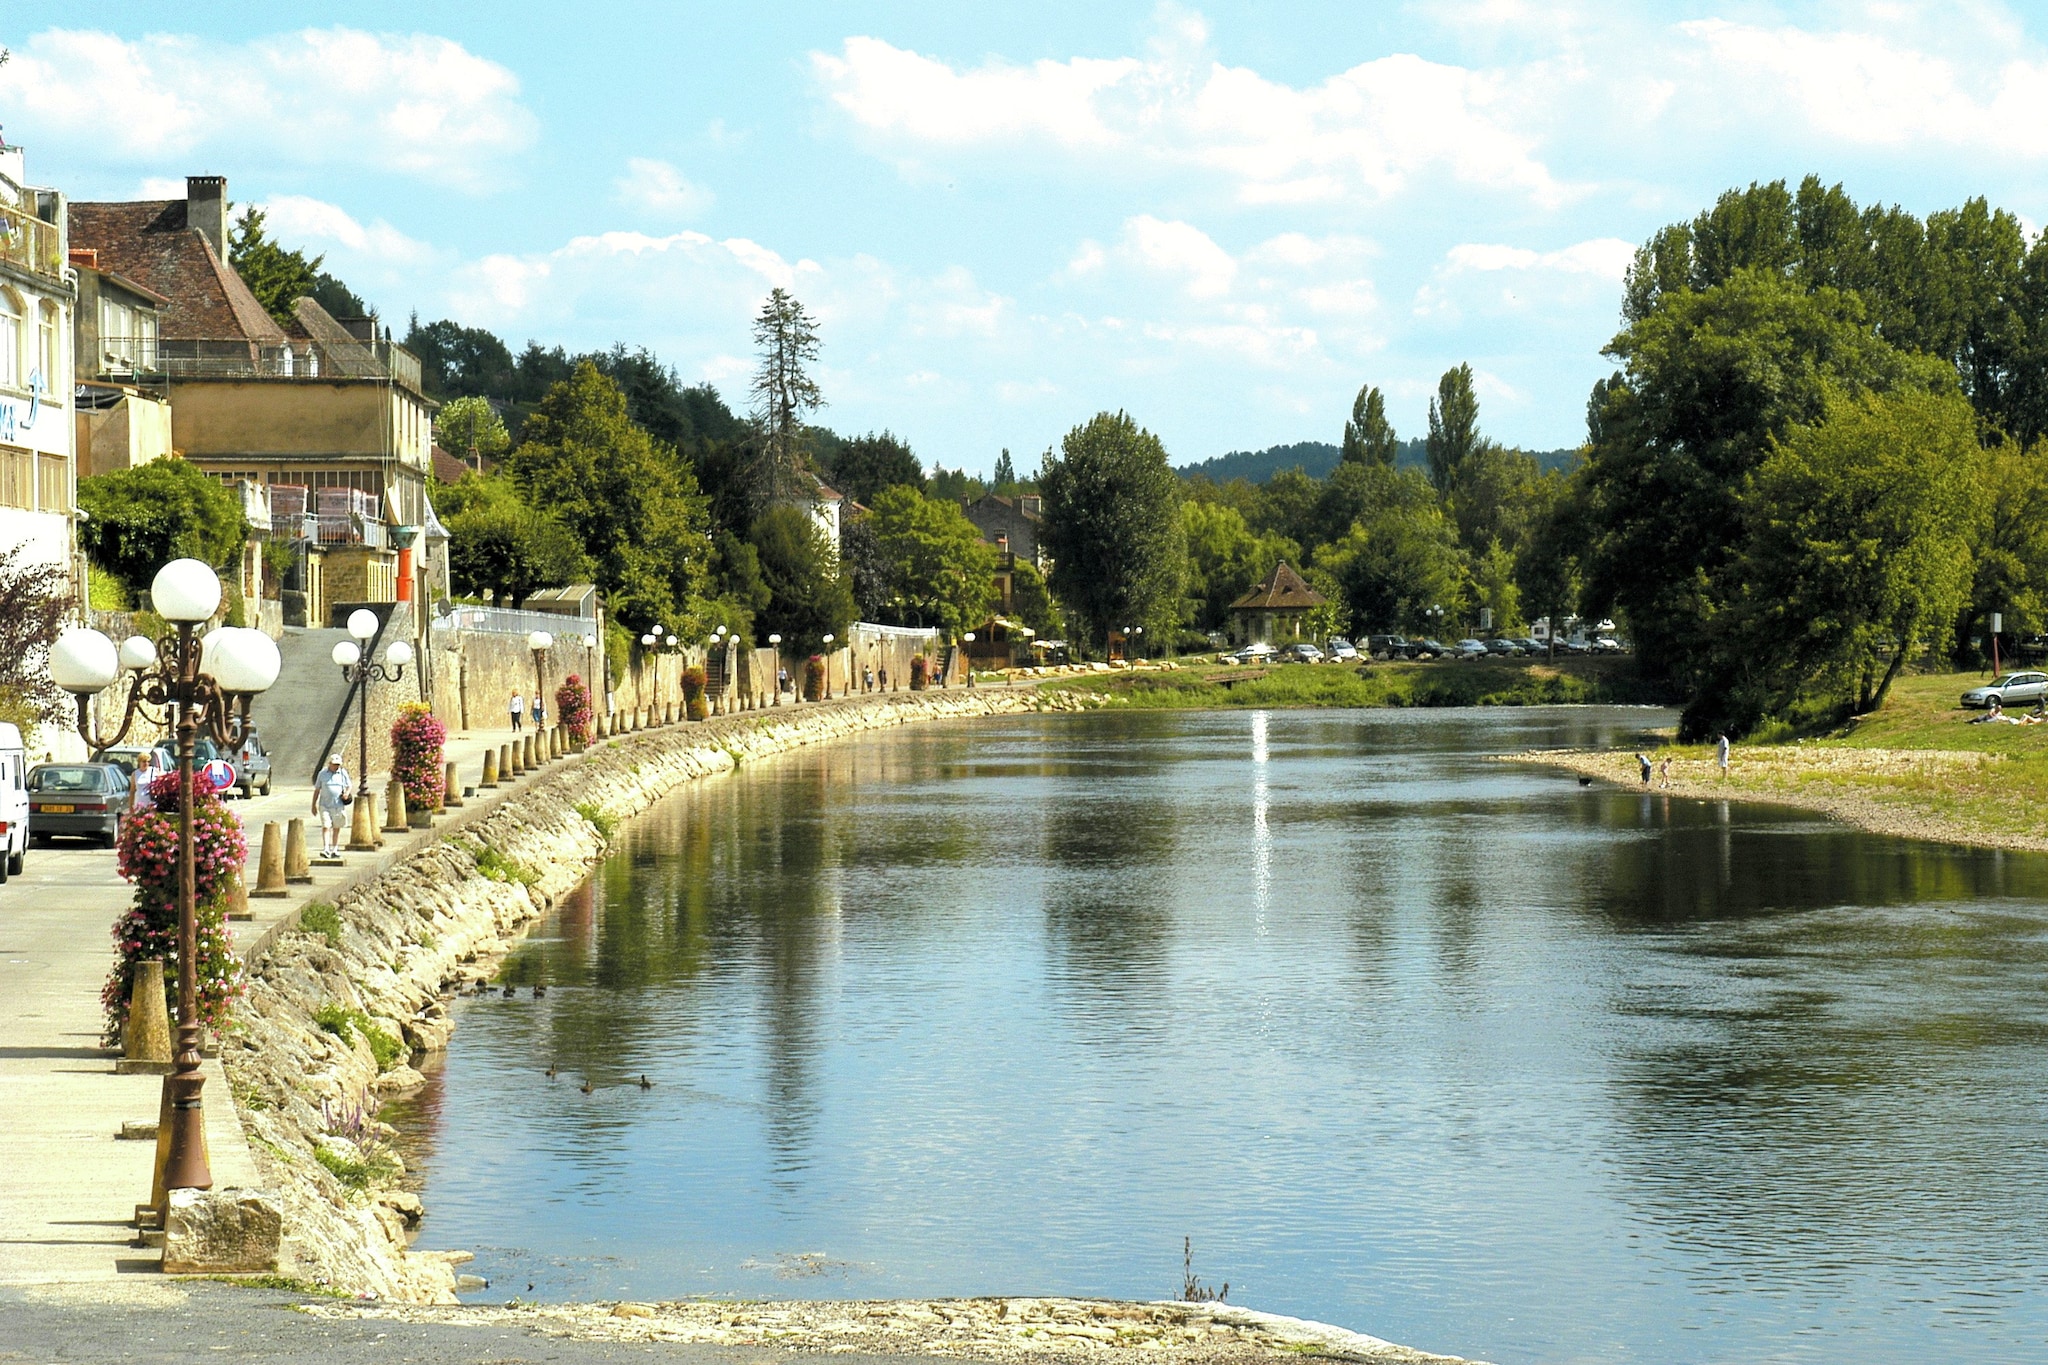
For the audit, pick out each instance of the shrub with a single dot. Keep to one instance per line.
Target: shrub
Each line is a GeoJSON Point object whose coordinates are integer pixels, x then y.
{"type": "Point", "coordinates": [148, 856]}
{"type": "Point", "coordinates": [499, 868]}
{"type": "Point", "coordinates": [416, 740]}
{"type": "Point", "coordinates": [572, 709]}
{"type": "Point", "coordinates": [694, 705]}
{"type": "Point", "coordinates": [348, 1025]}
{"type": "Point", "coordinates": [323, 919]}
{"type": "Point", "coordinates": [599, 821]}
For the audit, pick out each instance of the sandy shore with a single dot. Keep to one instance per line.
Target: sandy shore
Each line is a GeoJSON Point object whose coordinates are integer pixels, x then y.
{"type": "Point", "coordinates": [1886, 791]}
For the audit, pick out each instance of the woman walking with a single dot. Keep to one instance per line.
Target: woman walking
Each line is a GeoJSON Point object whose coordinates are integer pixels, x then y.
{"type": "Point", "coordinates": [332, 793]}
{"type": "Point", "coordinates": [518, 705]}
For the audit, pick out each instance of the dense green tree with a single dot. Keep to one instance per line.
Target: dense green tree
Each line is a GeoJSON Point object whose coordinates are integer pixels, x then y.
{"type": "Point", "coordinates": [742, 589]}
{"type": "Point", "coordinates": [941, 572]}
{"type": "Point", "coordinates": [1492, 499]}
{"type": "Point", "coordinates": [955, 485]}
{"type": "Point", "coordinates": [1226, 559]}
{"type": "Point", "coordinates": [457, 361]}
{"type": "Point", "coordinates": [1286, 506]}
{"type": "Point", "coordinates": [1453, 427]}
{"type": "Point", "coordinates": [632, 502]}
{"type": "Point", "coordinates": [1399, 560]}
{"type": "Point", "coordinates": [1110, 526]}
{"type": "Point", "coordinates": [1856, 549]}
{"type": "Point", "coordinates": [35, 600]}
{"type": "Point", "coordinates": [1495, 588]}
{"type": "Point", "coordinates": [808, 597]}
{"type": "Point", "coordinates": [862, 467]}
{"type": "Point", "coordinates": [138, 520]}
{"type": "Point", "coordinates": [1032, 602]}
{"type": "Point", "coordinates": [1368, 437]}
{"type": "Point", "coordinates": [2010, 557]}
{"type": "Point", "coordinates": [868, 574]}
{"type": "Point", "coordinates": [500, 545]}
{"type": "Point", "coordinates": [471, 430]}
{"type": "Point", "coordinates": [277, 277]}
{"type": "Point", "coordinates": [1004, 479]}
{"type": "Point", "coordinates": [1547, 569]}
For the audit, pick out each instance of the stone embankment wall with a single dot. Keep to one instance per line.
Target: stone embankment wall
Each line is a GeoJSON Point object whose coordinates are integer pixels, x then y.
{"type": "Point", "coordinates": [300, 1055]}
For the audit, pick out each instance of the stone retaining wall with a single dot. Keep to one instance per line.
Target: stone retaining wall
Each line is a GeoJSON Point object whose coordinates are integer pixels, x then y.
{"type": "Point", "coordinates": [412, 936]}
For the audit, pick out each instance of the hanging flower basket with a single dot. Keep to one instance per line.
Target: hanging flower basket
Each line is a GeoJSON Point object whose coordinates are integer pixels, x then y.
{"type": "Point", "coordinates": [416, 740]}
{"type": "Point", "coordinates": [920, 673]}
{"type": "Point", "coordinates": [694, 705]}
{"type": "Point", "coordinates": [572, 707]}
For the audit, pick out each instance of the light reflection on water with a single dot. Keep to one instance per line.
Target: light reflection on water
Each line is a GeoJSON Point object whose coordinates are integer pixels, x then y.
{"type": "Point", "coordinates": [1450, 1051]}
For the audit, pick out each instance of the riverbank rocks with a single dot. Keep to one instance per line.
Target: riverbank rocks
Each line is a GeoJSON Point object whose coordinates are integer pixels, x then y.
{"type": "Point", "coordinates": [327, 1028]}
{"type": "Point", "coordinates": [222, 1232]}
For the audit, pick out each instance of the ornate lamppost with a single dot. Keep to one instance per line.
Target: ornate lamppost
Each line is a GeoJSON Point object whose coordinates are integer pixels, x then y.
{"type": "Point", "coordinates": [540, 642]}
{"type": "Point", "coordinates": [775, 643]}
{"type": "Point", "coordinates": [828, 665]}
{"type": "Point", "coordinates": [361, 672]}
{"type": "Point", "coordinates": [207, 683]}
{"type": "Point", "coordinates": [968, 654]}
{"type": "Point", "coordinates": [721, 642]}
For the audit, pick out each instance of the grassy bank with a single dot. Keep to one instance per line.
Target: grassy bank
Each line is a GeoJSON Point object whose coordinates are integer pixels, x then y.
{"type": "Point", "coordinates": [1916, 768]}
{"type": "Point", "coordinates": [1206, 686]}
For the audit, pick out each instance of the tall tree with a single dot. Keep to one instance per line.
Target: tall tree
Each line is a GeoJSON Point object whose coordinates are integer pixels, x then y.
{"type": "Point", "coordinates": [862, 467]}
{"type": "Point", "coordinates": [1005, 476]}
{"type": "Point", "coordinates": [1399, 565]}
{"type": "Point", "coordinates": [1453, 427]}
{"type": "Point", "coordinates": [501, 545]}
{"type": "Point", "coordinates": [1116, 547]}
{"type": "Point", "coordinates": [808, 597]}
{"type": "Point", "coordinates": [35, 597]}
{"type": "Point", "coordinates": [632, 501]}
{"type": "Point", "coordinates": [784, 395]}
{"type": "Point", "coordinates": [1225, 559]}
{"type": "Point", "coordinates": [471, 430]}
{"type": "Point", "coordinates": [940, 570]}
{"type": "Point", "coordinates": [1369, 437]}
{"type": "Point", "coordinates": [277, 277]}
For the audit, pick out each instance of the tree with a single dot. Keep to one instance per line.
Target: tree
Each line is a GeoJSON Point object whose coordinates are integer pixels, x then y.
{"type": "Point", "coordinates": [1225, 560]}
{"type": "Point", "coordinates": [458, 360]}
{"type": "Point", "coordinates": [784, 394]}
{"type": "Point", "coordinates": [34, 600]}
{"type": "Point", "coordinates": [1286, 506]}
{"type": "Point", "coordinates": [1110, 526]}
{"type": "Point", "coordinates": [808, 598]}
{"type": "Point", "coordinates": [138, 520]}
{"type": "Point", "coordinates": [860, 557]}
{"type": "Point", "coordinates": [1856, 548]}
{"type": "Point", "coordinates": [861, 468]}
{"type": "Point", "coordinates": [1453, 427]}
{"type": "Point", "coordinates": [1032, 603]}
{"type": "Point", "coordinates": [502, 546]}
{"type": "Point", "coordinates": [277, 277]}
{"type": "Point", "coordinates": [1547, 569]}
{"type": "Point", "coordinates": [940, 570]}
{"type": "Point", "coordinates": [1490, 501]}
{"type": "Point", "coordinates": [471, 429]}
{"type": "Point", "coordinates": [1493, 583]}
{"type": "Point", "coordinates": [1368, 437]}
{"type": "Point", "coordinates": [2011, 551]}
{"type": "Point", "coordinates": [1005, 476]}
{"type": "Point", "coordinates": [1399, 561]}
{"type": "Point", "coordinates": [632, 502]}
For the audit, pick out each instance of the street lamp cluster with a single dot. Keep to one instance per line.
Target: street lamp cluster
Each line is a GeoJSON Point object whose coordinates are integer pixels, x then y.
{"type": "Point", "coordinates": [360, 672]}
{"type": "Point", "coordinates": [206, 683]}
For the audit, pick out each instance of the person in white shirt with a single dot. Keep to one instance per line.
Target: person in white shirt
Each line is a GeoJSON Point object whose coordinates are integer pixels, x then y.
{"type": "Point", "coordinates": [332, 793]}
{"type": "Point", "coordinates": [518, 706]}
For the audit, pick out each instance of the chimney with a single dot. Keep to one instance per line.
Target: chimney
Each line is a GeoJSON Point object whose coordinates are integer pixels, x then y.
{"type": "Point", "coordinates": [206, 210]}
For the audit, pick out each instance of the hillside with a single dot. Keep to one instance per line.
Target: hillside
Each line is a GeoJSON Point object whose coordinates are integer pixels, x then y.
{"type": "Point", "coordinates": [1317, 458]}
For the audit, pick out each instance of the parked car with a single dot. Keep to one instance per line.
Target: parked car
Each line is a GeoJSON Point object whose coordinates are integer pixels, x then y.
{"type": "Point", "coordinates": [1607, 644]}
{"type": "Point", "coordinates": [252, 766]}
{"type": "Point", "coordinates": [1301, 652]}
{"type": "Point", "coordinates": [80, 800]}
{"type": "Point", "coordinates": [2013, 689]}
{"type": "Point", "coordinates": [1503, 649]}
{"type": "Point", "coordinates": [1422, 649]}
{"type": "Point", "coordinates": [1531, 645]}
{"type": "Point", "coordinates": [1437, 648]}
{"type": "Point", "coordinates": [1341, 650]}
{"type": "Point", "coordinates": [1252, 654]}
{"type": "Point", "coordinates": [1469, 649]}
{"type": "Point", "coordinates": [14, 805]}
{"type": "Point", "coordinates": [1385, 647]}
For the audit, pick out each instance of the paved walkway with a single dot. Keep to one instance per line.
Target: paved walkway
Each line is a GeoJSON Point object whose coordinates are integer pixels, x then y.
{"type": "Point", "coordinates": [68, 1185]}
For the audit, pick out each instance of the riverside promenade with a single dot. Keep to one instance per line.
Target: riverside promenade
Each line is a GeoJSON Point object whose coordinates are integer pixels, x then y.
{"type": "Point", "coordinates": [68, 1183]}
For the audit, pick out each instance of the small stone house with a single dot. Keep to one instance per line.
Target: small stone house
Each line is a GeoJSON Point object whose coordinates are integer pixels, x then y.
{"type": "Point", "coordinates": [1275, 612]}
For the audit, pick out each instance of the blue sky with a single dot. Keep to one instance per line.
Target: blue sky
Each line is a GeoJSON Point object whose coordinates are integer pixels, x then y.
{"type": "Point", "coordinates": [1222, 218]}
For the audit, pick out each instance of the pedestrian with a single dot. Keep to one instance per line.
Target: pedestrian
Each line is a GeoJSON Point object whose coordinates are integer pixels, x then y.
{"type": "Point", "coordinates": [782, 680]}
{"type": "Point", "coordinates": [1721, 753]}
{"type": "Point", "coordinates": [518, 706]}
{"type": "Point", "coordinates": [882, 678]}
{"type": "Point", "coordinates": [1644, 760]}
{"type": "Point", "coordinates": [1664, 773]}
{"type": "Point", "coordinates": [332, 793]}
{"type": "Point", "coordinates": [540, 714]}
{"type": "Point", "coordinates": [867, 678]}
{"type": "Point", "coordinates": [140, 797]}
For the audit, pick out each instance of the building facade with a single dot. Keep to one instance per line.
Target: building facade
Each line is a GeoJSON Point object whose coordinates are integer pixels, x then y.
{"type": "Point", "coordinates": [38, 471]}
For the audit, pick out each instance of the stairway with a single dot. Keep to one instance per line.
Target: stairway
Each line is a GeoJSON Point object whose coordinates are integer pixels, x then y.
{"type": "Point", "coordinates": [297, 716]}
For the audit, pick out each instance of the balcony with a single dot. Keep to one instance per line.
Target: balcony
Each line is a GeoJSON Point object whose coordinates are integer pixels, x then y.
{"type": "Point", "coordinates": [31, 243]}
{"type": "Point", "coordinates": [301, 358]}
{"type": "Point", "coordinates": [328, 531]}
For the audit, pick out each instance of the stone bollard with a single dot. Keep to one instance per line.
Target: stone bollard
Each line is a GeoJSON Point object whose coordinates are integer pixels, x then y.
{"type": "Point", "coordinates": [508, 762]}
{"type": "Point", "coordinates": [556, 744]}
{"type": "Point", "coordinates": [394, 802]}
{"type": "Point", "coordinates": [270, 864]}
{"type": "Point", "coordinates": [146, 1037]}
{"type": "Point", "coordinates": [238, 894]}
{"type": "Point", "coordinates": [530, 760]}
{"type": "Point", "coordinates": [490, 769]}
{"type": "Point", "coordinates": [668, 713]}
{"type": "Point", "coordinates": [597, 728]}
{"type": "Point", "coordinates": [451, 787]}
{"type": "Point", "coordinates": [362, 825]}
{"type": "Point", "coordinates": [221, 1232]}
{"type": "Point", "coordinates": [297, 867]}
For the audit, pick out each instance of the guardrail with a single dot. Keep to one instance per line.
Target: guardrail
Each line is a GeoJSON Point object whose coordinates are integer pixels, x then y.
{"type": "Point", "coordinates": [510, 621]}
{"type": "Point", "coordinates": [301, 358]}
{"type": "Point", "coordinates": [27, 240]}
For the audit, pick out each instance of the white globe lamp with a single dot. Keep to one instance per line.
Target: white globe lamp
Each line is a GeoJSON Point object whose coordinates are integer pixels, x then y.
{"type": "Point", "coordinates": [83, 661]}
{"type": "Point", "coordinates": [362, 623]}
{"type": "Point", "coordinates": [347, 653]}
{"type": "Point", "coordinates": [185, 591]}
{"type": "Point", "coordinates": [138, 652]}
{"type": "Point", "coordinates": [399, 655]}
{"type": "Point", "coordinates": [242, 660]}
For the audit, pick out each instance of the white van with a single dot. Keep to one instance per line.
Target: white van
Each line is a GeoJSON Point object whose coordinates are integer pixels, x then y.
{"type": "Point", "coordinates": [13, 801]}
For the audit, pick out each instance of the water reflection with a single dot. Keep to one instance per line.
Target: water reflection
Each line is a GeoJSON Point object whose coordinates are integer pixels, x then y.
{"type": "Point", "coordinates": [1452, 1051]}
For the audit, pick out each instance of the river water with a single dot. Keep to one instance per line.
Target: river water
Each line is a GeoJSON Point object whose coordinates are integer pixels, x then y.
{"type": "Point", "coordinates": [1447, 1050]}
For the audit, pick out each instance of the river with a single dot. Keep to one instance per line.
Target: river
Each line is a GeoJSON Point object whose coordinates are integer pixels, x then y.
{"type": "Point", "coordinates": [1448, 1050]}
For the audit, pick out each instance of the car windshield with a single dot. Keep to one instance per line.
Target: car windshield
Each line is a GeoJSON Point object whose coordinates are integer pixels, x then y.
{"type": "Point", "coordinates": [2007, 681]}
{"type": "Point", "coordinates": [67, 780]}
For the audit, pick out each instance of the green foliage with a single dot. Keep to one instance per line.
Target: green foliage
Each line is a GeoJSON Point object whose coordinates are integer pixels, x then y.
{"type": "Point", "coordinates": [604, 824]}
{"type": "Point", "coordinates": [355, 1173]}
{"type": "Point", "coordinates": [138, 520]}
{"type": "Point", "coordinates": [497, 867]}
{"type": "Point", "coordinates": [940, 572]}
{"type": "Point", "coordinates": [1298, 685]}
{"type": "Point", "coordinates": [861, 468]}
{"type": "Point", "coordinates": [350, 1024]}
{"type": "Point", "coordinates": [632, 502]}
{"type": "Point", "coordinates": [785, 394]}
{"type": "Point", "coordinates": [1494, 586]}
{"type": "Point", "coordinates": [1453, 427]}
{"type": "Point", "coordinates": [808, 597]}
{"type": "Point", "coordinates": [1111, 527]}
{"type": "Point", "coordinates": [470, 429]}
{"type": "Point", "coordinates": [104, 590]}
{"type": "Point", "coordinates": [277, 277]}
{"type": "Point", "coordinates": [1369, 437]}
{"type": "Point", "coordinates": [2011, 549]}
{"type": "Point", "coordinates": [1031, 601]}
{"type": "Point", "coordinates": [501, 545]}
{"type": "Point", "coordinates": [1225, 559]}
{"type": "Point", "coordinates": [323, 919]}
{"type": "Point", "coordinates": [1399, 560]}
{"type": "Point", "coordinates": [955, 485]}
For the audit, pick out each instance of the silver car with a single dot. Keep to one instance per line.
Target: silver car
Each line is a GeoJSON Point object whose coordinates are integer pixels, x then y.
{"type": "Point", "coordinates": [2013, 689]}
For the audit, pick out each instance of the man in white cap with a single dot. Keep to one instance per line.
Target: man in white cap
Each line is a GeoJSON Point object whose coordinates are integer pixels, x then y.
{"type": "Point", "coordinates": [331, 795]}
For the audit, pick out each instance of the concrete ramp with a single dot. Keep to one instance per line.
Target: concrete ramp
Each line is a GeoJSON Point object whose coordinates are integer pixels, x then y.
{"type": "Point", "coordinates": [297, 716]}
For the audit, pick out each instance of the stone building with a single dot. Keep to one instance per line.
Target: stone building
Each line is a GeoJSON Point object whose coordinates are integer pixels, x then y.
{"type": "Point", "coordinates": [1276, 611]}
{"type": "Point", "coordinates": [1009, 524]}
{"type": "Point", "coordinates": [38, 473]}
{"type": "Point", "coordinates": [123, 401]}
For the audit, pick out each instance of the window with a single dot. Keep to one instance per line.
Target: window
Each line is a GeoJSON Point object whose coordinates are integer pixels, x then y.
{"type": "Point", "coordinates": [48, 360]}
{"type": "Point", "coordinates": [53, 483]}
{"type": "Point", "coordinates": [17, 476]}
{"type": "Point", "coordinates": [11, 339]}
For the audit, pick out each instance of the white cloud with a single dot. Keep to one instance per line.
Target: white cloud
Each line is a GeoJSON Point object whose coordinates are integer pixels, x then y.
{"type": "Point", "coordinates": [418, 104]}
{"type": "Point", "coordinates": [660, 188]}
{"type": "Point", "coordinates": [1181, 249]}
{"type": "Point", "coordinates": [299, 220]}
{"type": "Point", "coordinates": [1607, 257]}
{"type": "Point", "coordinates": [1363, 133]}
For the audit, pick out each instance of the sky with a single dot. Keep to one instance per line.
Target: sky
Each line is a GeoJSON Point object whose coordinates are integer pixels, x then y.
{"type": "Point", "coordinates": [1221, 218]}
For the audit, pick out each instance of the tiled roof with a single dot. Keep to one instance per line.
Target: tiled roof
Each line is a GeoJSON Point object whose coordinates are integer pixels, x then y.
{"type": "Point", "coordinates": [1282, 590]}
{"type": "Point", "coordinates": [147, 241]}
